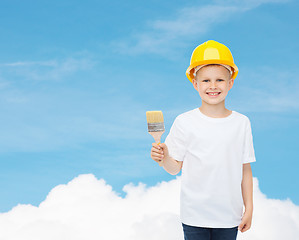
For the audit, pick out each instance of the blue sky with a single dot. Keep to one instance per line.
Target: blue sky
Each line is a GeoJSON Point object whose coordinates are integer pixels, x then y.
{"type": "Point", "coordinates": [76, 79]}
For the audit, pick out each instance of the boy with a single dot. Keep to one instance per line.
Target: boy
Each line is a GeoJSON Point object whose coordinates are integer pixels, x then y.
{"type": "Point", "coordinates": [213, 146]}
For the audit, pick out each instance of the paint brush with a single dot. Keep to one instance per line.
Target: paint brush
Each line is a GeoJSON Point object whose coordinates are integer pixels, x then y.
{"type": "Point", "coordinates": [155, 123]}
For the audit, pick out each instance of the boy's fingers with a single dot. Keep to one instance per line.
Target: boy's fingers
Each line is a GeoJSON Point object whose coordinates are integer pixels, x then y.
{"type": "Point", "coordinates": [157, 155]}
{"type": "Point", "coordinates": [163, 145]}
{"type": "Point", "coordinates": [156, 150]}
{"type": "Point", "coordinates": [155, 145]}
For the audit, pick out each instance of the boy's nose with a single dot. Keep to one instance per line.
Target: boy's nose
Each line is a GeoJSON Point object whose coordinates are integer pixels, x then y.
{"type": "Point", "coordinates": [213, 85]}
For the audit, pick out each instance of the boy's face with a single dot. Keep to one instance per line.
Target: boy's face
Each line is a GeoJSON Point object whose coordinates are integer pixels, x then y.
{"type": "Point", "coordinates": [213, 78]}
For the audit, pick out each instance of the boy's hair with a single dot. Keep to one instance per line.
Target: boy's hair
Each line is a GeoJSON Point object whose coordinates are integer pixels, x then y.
{"type": "Point", "coordinates": [212, 64]}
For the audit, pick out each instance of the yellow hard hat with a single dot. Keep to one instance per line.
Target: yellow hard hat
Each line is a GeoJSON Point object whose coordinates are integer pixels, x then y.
{"type": "Point", "coordinates": [211, 52]}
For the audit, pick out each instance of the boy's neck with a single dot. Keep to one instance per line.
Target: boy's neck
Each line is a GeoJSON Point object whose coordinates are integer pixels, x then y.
{"type": "Point", "coordinates": [215, 111]}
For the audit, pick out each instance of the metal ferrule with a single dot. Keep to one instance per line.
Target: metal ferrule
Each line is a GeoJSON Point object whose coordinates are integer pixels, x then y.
{"type": "Point", "coordinates": [156, 127]}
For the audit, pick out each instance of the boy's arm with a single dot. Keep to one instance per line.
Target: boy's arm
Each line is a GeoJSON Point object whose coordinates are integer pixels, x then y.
{"type": "Point", "coordinates": [160, 152]}
{"type": "Point", "coordinates": [247, 188]}
{"type": "Point", "coordinates": [172, 166]}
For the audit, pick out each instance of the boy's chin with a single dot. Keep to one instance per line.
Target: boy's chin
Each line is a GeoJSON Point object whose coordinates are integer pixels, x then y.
{"type": "Point", "coordinates": [213, 101]}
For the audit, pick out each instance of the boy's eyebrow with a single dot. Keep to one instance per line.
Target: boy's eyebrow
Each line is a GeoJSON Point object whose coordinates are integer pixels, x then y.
{"type": "Point", "coordinates": [209, 79]}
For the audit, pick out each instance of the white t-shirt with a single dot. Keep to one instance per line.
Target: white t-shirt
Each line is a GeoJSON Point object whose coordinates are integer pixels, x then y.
{"type": "Point", "coordinates": [213, 151]}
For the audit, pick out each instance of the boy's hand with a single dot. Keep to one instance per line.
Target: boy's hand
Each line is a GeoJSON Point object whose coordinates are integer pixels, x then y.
{"type": "Point", "coordinates": [246, 221]}
{"type": "Point", "coordinates": [159, 152]}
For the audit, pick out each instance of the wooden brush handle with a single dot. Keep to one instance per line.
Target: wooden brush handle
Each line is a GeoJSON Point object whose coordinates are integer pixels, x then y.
{"type": "Point", "coordinates": [157, 137]}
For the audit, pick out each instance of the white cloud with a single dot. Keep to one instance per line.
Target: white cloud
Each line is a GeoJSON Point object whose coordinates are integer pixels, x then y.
{"type": "Point", "coordinates": [249, 3]}
{"type": "Point", "coordinates": [51, 63]}
{"type": "Point", "coordinates": [54, 69]}
{"type": "Point", "coordinates": [38, 126]}
{"type": "Point", "coordinates": [88, 208]}
{"type": "Point", "coordinates": [3, 83]}
{"type": "Point", "coordinates": [163, 36]}
{"type": "Point", "coordinates": [266, 89]}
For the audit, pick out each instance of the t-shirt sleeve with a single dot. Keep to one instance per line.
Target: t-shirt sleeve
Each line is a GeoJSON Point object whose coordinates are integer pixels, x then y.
{"type": "Point", "coordinates": [248, 154]}
{"type": "Point", "coordinates": [176, 141]}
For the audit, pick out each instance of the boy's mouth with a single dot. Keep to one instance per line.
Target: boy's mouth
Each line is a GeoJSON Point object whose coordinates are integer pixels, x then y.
{"type": "Point", "coordinates": [213, 94]}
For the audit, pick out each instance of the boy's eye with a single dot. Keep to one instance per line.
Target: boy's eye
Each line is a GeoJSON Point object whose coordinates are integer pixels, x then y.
{"type": "Point", "coordinates": [209, 80]}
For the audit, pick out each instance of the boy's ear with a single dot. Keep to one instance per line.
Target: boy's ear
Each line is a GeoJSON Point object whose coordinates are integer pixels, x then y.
{"type": "Point", "coordinates": [231, 83]}
{"type": "Point", "coordinates": [195, 83]}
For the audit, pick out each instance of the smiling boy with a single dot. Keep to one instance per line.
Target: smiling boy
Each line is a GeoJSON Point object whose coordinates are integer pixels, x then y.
{"type": "Point", "coordinates": [213, 147]}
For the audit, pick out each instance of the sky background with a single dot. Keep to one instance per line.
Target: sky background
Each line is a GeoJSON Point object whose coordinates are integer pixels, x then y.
{"type": "Point", "coordinates": [76, 79]}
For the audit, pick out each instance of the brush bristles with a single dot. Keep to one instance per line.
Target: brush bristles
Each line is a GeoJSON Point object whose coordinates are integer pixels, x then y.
{"type": "Point", "coordinates": [154, 116]}
{"type": "Point", "coordinates": [155, 121]}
